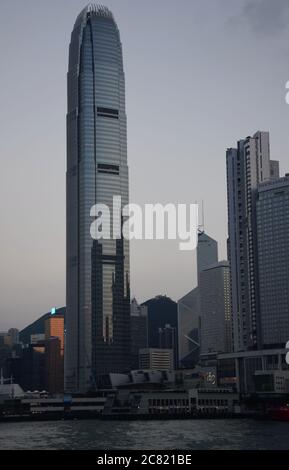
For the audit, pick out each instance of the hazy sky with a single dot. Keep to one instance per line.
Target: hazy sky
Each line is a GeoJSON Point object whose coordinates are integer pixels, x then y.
{"type": "Point", "coordinates": [200, 74]}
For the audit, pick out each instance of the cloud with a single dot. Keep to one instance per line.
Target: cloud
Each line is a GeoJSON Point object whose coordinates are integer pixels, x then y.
{"type": "Point", "coordinates": [266, 17]}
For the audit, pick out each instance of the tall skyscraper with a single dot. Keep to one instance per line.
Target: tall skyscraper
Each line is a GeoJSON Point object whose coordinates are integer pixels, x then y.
{"type": "Point", "coordinates": [273, 261]}
{"type": "Point", "coordinates": [248, 165]}
{"type": "Point", "coordinates": [189, 308]}
{"type": "Point", "coordinates": [207, 252]}
{"type": "Point", "coordinates": [215, 308]}
{"type": "Point", "coordinates": [98, 297]}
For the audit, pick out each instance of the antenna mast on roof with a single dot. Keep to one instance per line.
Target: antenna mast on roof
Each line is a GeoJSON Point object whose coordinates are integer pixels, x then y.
{"type": "Point", "coordinates": [201, 227]}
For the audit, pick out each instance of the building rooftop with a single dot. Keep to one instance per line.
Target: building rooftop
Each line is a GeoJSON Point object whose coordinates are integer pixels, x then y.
{"type": "Point", "coordinates": [274, 184]}
{"type": "Point", "coordinates": [93, 9]}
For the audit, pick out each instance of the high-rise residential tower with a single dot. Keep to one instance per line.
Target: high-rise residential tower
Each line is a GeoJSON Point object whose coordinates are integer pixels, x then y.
{"type": "Point", "coordinates": [98, 298]}
{"type": "Point", "coordinates": [248, 165]}
{"type": "Point", "coordinates": [273, 261]}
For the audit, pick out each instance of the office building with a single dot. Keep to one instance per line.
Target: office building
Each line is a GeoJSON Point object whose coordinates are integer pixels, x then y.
{"type": "Point", "coordinates": [168, 340]}
{"type": "Point", "coordinates": [156, 359]}
{"type": "Point", "coordinates": [248, 165]}
{"type": "Point", "coordinates": [33, 375]}
{"type": "Point", "coordinates": [161, 311]}
{"type": "Point", "coordinates": [54, 327]}
{"type": "Point", "coordinates": [207, 252]}
{"type": "Point", "coordinates": [139, 331]}
{"type": "Point", "coordinates": [54, 353]}
{"type": "Point", "coordinates": [189, 308]}
{"type": "Point", "coordinates": [98, 296]}
{"type": "Point", "coordinates": [37, 338]}
{"type": "Point", "coordinates": [189, 329]}
{"type": "Point", "coordinates": [215, 308]}
{"type": "Point", "coordinates": [9, 338]}
{"type": "Point", "coordinates": [167, 337]}
{"type": "Point", "coordinates": [273, 261]}
{"type": "Point", "coordinates": [13, 334]}
{"type": "Point", "coordinates": [54, 371]}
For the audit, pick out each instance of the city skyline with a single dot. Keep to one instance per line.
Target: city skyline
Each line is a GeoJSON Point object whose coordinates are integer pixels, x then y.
{"type": "Point", "coordinates": [145, 209]}
{"type": "Point", "coordinates": [33, 263]}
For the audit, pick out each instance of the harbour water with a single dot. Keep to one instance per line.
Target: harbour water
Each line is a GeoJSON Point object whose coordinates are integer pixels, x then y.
{"type": "Point", "coordinates": [159, 435]}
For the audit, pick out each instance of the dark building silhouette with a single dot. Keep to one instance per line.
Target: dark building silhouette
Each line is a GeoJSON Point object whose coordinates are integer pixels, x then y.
{"type": "Point", "coordinates": [33, 367]}
{"type": "Point", "coordinates": [40, 367]}
{"type": "Point", "coordinates": [11, 354]}
{"type": "Point", "coordinates": [139, 331]}
{"type": "Point", "coordinates": [12, 367]}
{"type": "Point", "coordinates": [168, 340]}
{"type": "Point", "coordinates": [54, 366]}
{"type": "Point", "coordinates": [162, 311]}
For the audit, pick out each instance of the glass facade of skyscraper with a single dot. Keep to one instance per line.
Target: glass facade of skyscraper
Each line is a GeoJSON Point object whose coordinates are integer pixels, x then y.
{"type": "Point", "coordinates": [98, 310]}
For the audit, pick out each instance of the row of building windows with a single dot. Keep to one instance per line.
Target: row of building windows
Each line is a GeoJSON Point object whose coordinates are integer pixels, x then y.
{"type": "Point", "coordinates": [107, 112]}
{"type": "Point", "coordinates": [168, 402]}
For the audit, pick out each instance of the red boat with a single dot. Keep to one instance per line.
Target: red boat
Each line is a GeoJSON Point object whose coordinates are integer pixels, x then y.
{"type": "Point", "coordinates": [279, 413]}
